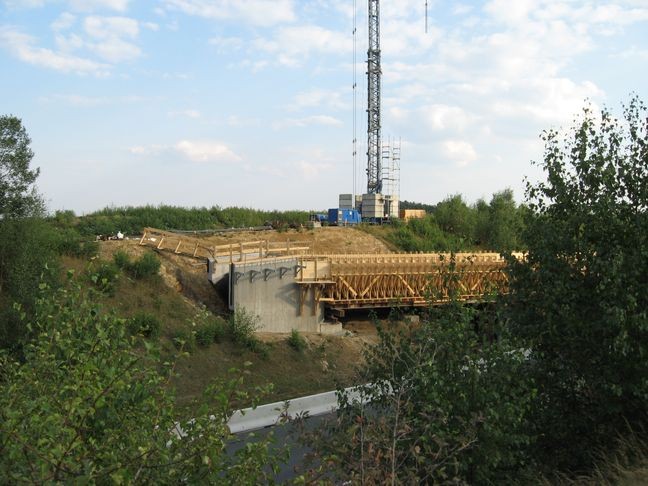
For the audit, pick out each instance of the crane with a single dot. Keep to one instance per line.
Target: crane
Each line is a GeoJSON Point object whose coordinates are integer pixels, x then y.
{"type": "Point", "coordinates": [374, 74]}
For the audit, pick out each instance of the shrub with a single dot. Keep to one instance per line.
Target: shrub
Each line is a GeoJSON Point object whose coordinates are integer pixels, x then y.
{"type": "Point", "coordinates": [447, 407]}
{"type": "Point", "coordinates": [81, 406]}
{"type": "Point", "coordinates": [208, 329]}
{"type": "Point", "coordinates": [71, 243]}
{"type": "Point", "coordinates": [184, 339]}
{"type": "Point", "coordinates": [206, 334]}
{"type": "Point", "coordinates": [241, 328]}
{"type": "Point", "coordinates": [121, 259]}
{"type": "Point", "coordinates": [296, 341]}
{"type": "Point", "coordinates": [105, 276]}
{"type": "Point", "coordinates": [144, 324]}
{"type": "Point", "coordinates": [146, 266]}
{"type": "Point", "coordinates": [579, 299]}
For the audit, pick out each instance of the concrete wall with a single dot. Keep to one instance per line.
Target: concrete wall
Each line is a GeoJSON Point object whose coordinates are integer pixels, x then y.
{"type": "Point", "coordinates": [268, 289]}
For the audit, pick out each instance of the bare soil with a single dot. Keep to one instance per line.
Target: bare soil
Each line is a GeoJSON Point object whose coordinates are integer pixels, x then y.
{"type": "Point", "coordinates": [326, 240]}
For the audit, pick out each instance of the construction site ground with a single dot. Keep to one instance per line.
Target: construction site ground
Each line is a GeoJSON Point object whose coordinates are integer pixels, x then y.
{"type": "Point", "coordinates": [327, 361]}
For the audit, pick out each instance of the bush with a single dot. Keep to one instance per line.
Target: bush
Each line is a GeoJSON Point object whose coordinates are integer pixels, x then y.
{"type": "Point", "coordinates": [147, 266]}
{"type": "Point", "coordinates": [579, 299]}
{"type": "Point", "coordinates": [184, 339]}
{"type": "Point", "coordinates": [447, 407]}
{"type": "Point", "coordinates": [121, 259]}
{"type": "Point", "coordinates": [242, 326]}
{"type": "Point", "coordinates": [296, 341]}
{"type": "Point", "coordinates": [208, 328]}
{"type": "Point", "coordinates": [104, 277]}
{"type": "Point", "coordinates": [71, 243]}
{"type": "Point", "coordinates": [144, 324]}
{"type": "Point", "coordinates": [81, 406]}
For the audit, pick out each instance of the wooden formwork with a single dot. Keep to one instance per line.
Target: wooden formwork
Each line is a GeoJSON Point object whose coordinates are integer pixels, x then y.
{"type": "Point", "coordinates": [412, 279]}
{"type": "Point", "coordinates": [198, 248]}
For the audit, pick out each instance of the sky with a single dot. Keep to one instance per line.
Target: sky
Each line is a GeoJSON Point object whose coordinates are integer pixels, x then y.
{"type": "Point", "coordinates": [250, 102]}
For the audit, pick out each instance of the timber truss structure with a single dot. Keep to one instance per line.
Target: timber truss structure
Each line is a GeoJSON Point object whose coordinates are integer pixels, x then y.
{"type": "Point", "coordinates": [356, 281]}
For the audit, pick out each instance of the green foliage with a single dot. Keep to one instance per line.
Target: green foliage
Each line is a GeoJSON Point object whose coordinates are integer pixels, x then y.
{"type": "Point", "coordinates": [144, 324]}
{"type": "Point", "coordinates": [18, 197]}
{"type": "Point", "coordinates": [28, 253]}
{"type": "Point", "coordinates": [146, 266]}
{"type": "Point", "coordinates": [441, 405]}
{"type": "Point", "coordinates": [132, 220]}
{"type": "Point", "coordinates": [580, 299]}
{"type": "Point", "coordinates": [184, 339]}
{"type": "Point", "coordinates": [242, 325]}
{"type": "Point", "coordinates": [455, 217]}
{"type": "Point", "coordinates": [453, 225]}
{"type": "Point", "coordinates": [208, 328]}
{"type": "Point", "coordinates": [83, 407]}
{"type": "Point", "coordinates": [296, 341]}
{"type": "Point", "coordinates": [121, 259]}
{"type": "Point", "coordinates": [104, 276]}
{"type": "Point", "coordinates": [71, 243]}
{"type": "Point", "coordinates": [27, 245]}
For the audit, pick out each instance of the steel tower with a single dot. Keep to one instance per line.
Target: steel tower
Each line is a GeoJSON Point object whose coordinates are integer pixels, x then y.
{"type": "Point", "coordinates": [374, 73]}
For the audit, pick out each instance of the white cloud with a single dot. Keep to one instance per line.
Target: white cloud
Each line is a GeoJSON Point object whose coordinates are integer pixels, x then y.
{"type": "Point", "coordinates": [109, 34]}
{"type": "Point", "coordinates": [146, 150]}
{"type": "Point", "coordinates": [206, 151]}
{"type": "Point", "coordinates": [292, 45]}
{"type": "Point", "coordinates": [116, 50]}
{"type": "Point", "coordinates": [91, 5]}
{"type": "Point", "coordinates": [256, 12]}
{"type": "Point", "coordinates": [22, 47]}
{"type": "Point", "coordinates": [110, 27]}
{"type": "Point", "coordinates": [444, 117]}
{"type": "Point", "coordinates": [194, 150]}
{"type": "Point", "coordinates": [312, 170]}
{"type": "Point", "coordinates": [78, 5]}
{"type": "Point", "coordinates": [460, 151]}
{"type": "Point", "coordinates": [63, 22]}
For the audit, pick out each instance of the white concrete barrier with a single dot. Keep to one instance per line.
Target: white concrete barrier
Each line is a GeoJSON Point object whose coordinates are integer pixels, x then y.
{"type": "Point", "coordinates": [270, 414]}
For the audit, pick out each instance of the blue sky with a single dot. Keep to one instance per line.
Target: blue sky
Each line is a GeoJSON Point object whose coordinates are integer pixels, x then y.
{"type": "Point", "coordinates": [249, 102]}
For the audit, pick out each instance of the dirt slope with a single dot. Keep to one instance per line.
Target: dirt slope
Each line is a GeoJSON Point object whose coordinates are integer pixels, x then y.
{"type": "Point", "coordinates": [327, 240]}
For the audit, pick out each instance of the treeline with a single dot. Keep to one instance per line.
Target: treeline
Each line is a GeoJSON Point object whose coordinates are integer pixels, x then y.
{"type": "Point", "coordinates": [132, 220]}
{"type": "Point", "coordinates": [453, 225]}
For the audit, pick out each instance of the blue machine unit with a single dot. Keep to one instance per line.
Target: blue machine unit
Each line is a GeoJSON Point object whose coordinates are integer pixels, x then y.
{"type": "Point", "coordinates": [342, 217]}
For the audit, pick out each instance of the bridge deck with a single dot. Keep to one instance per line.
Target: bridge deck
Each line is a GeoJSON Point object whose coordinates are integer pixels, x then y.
{"type": "Point", "coordinates": [348, 281]}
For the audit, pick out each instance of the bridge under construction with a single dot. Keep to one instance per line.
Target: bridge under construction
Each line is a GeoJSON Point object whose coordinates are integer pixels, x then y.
{"type": "Point", "coordinates": [289, 287]}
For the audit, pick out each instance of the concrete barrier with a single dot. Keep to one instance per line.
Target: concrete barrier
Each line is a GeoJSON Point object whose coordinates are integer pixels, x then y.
{"type": "Point", "coordinates": [249, 419]}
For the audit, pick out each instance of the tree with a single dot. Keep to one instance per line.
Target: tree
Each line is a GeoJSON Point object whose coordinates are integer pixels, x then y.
{"type": "Point", "coordinates": [86, 406]}
{"type": "Point", "coordinates": [580, 299]}
{"type": "Point", "coordinates": [442, 405]}
{"type": "Point", "coordinates": [27, 243]}
{"type": "Point", "coordinates": [17, 195]}
{"type": "Point", "coordinates": [505, 222]}
{"type": "Point", "coordinates": [455, 217]}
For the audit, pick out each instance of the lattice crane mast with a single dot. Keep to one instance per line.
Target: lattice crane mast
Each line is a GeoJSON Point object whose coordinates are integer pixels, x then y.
{"type": "Point", "coordinates": [374, 73]}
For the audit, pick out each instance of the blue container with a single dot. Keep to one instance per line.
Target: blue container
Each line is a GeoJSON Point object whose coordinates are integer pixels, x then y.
{"type": "Point", "coordinates": [343, 217]}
